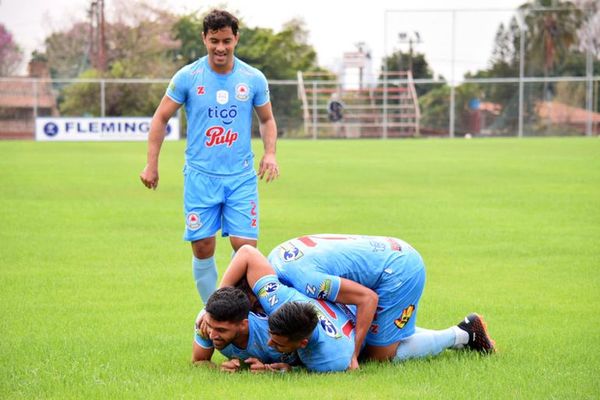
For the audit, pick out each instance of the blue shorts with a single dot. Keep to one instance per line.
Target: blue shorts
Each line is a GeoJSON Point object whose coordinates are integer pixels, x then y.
{"type": "Point", "coordinates": [211, 203]}
{"type": "Point", "coordinates": [399, 297]}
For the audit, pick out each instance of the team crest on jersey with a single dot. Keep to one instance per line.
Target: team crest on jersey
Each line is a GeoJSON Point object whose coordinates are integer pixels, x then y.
{"type": "Point", "coordinates": [405, 317]}
{"type": "Point", "coordinates": [193, 221]}
{"type": "Point", "coordinates": [222, 96]}
{"type": "Point", "coordinates": [288, 252]}
{"type": "Point", "coordinates": [268, 289]}
{"type": "Point", "coordinates": [242, 93]}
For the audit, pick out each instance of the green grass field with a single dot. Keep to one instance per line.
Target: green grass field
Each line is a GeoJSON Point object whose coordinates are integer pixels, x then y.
{"type": "Point", "coordinates": [98, 299]}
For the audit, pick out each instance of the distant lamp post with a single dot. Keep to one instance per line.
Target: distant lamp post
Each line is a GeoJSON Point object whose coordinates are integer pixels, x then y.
{"type": "Point", "coordinates": [411, 38]}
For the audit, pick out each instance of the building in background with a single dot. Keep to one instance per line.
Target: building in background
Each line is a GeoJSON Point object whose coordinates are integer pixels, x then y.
{"type": "Point", "coordinates": [23, 98]}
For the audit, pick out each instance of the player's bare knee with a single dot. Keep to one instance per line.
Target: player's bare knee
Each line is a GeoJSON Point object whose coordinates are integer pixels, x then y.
{"type": "Point", "coordinates": [204, 248]}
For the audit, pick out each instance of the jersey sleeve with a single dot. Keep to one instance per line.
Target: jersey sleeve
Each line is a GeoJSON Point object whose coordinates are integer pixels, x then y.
{"type": "Point", "coordinates": [315, 284]}
{"type": "Point", "coordinates": [262, 96]}
{"type": "Point", "coordinates": [272, 294]}
{"type": "Point", "coordinates": [178, 87]}
{"type": "Point", "coordinates": [203, 342]}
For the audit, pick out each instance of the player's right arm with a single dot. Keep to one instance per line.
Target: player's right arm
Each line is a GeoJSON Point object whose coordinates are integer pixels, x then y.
{"type": "Point", "coordinates": [202, 353]}
{"type": "Point", "coordinates": [320, 285]}
{"type": "Point", "coordinates": [166, 109]}
{"type": "Point", "coordinates": [248, 262]}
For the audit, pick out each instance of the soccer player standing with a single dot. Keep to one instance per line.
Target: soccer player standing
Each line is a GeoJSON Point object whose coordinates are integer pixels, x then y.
{"type": "Point", "coordinates": [219, 92]}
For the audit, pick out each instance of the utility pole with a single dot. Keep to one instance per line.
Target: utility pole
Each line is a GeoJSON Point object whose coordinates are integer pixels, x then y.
{"type": "Point", "coordinates": [97, 52]}
{"type": "Point", "coordinates": [410, 38]}
{"type": "Point", "coordinates": [102, 44]}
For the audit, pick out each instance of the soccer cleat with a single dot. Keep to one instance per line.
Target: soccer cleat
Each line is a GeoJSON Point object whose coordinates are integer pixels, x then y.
{"type": "Point", "coordinates": [479, 338]}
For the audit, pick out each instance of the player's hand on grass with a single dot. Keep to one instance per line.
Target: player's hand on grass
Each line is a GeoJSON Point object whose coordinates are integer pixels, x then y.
{"type": "Point", "coordinates": [353, 363]}
{"type": "Point", "coordinates": [149, 177]}
{"type": "Point", "coordinates": [268, 167]}
{"type": "Point", "coordinates": [257, 366]}
{"type": "Point", "coordinates": [279, 367]}
{"type": "Point", "coordinates": [232, 365]}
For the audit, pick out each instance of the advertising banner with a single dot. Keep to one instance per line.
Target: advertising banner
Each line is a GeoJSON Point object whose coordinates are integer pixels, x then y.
{"type": "Point", "coordinates": [99, 129]}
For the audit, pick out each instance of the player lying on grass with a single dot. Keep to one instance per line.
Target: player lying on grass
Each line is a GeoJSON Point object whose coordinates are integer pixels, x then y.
{"type": "Point", "coordinates": [238, 333]}
{"type": "Point", "coordinates": [329, 267]}
{"type": "Point", "coordinates": [285, 319]}
{"type": "Point", "coordinates": [324, 330]}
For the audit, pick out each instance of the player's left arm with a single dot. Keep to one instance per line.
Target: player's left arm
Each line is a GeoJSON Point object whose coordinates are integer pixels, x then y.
{"type": "Point", "coordinates": [268, 131]}
{"type": "Point", "coordinates": [365, 299]}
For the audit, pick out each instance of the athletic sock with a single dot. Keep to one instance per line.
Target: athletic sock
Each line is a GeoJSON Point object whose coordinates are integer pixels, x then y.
{"type": "Point", "coordinates": [205, 275]}
{"type": "Point", "coordinates": [424, 343]}
{"type": "Point", "coordinates": [462, 338]}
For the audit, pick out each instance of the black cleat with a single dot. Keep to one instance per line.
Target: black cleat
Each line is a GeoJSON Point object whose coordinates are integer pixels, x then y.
{"type": "Point", "coordinates": [479, 339]}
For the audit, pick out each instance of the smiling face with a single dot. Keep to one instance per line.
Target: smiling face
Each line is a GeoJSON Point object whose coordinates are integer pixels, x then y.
{"type": "Point", "coordinates": [223, 333]}
{"type": "Point", "coordinates": [220, 45]}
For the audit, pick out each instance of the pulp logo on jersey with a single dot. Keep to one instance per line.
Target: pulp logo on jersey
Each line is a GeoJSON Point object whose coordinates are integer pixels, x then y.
{"type": "Point", "coordinates": [405, 317]}
{"type": "Point", "coordinates": [226, 115]}
{"type": "Point", "coordinates": [242, 92]}
{"type": "Point", "coordinates": [216, 136]}
{"type": "Point", "coordinates": [193, 221]}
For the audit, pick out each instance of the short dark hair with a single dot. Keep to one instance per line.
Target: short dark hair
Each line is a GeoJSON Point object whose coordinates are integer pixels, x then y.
{"type": "Point", "coordinates": [219, 19]}
{"type": "Point", "coordinates": [294, 320]}
{"type": "Point", "coordinates": [228, 304]}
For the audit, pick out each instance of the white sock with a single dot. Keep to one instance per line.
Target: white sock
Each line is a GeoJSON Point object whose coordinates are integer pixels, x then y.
{"type": "Point", "coordinates": [424, 343]}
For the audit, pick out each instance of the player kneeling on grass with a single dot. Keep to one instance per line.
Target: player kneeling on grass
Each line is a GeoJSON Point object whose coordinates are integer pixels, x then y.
{"type": "Point", "coordinates": [352, 269]}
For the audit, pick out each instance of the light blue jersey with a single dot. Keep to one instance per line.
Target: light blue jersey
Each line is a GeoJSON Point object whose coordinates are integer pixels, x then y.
{"type": "Point", "coordinates": [331, 345]}
{"type": "Point", "coordinates": [258, 337]}
{"type": "Point", "coordinates": [219, 110]}
{"type": "Point", "coordinates": [389, 266]}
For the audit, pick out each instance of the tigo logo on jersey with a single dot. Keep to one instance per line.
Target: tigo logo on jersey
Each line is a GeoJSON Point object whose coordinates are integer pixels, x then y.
{"type": "Point", "coordinates": [405, 317]}
{"type": "Point", "coordinates": [216, 136]}
{"type": "Point", "coordinates": [226, 115]}
{"type": "Point", "coordinates": [193, 221]}
{"type": "Point", "coordinates": [222, 96]}
{"type": "Point", "coordinates": [242, 92]}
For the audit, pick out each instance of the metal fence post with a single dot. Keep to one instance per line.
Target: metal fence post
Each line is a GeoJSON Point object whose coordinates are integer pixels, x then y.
{"type": "Point", "coordinates": [102, 98]}
{"type": "Point", "coordinates": [589, 94]}
{"type": "Point", "coordinates": [521, 71]}
{"type": "Point", "coordinates": [314, 110]}
{"type": "Point", "coordinates": [452, 80]}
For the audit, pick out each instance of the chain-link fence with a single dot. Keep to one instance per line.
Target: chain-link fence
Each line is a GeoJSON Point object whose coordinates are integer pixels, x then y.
{"type": "Point", "coordinates": [524, 110]}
